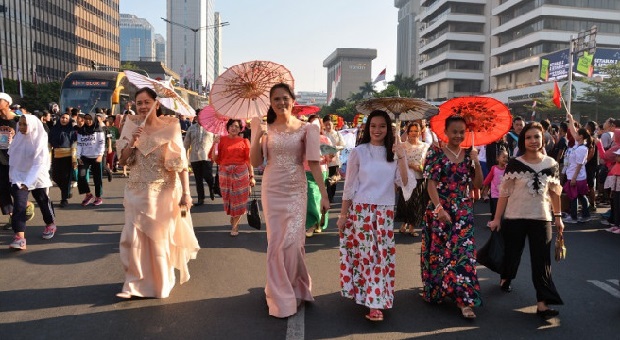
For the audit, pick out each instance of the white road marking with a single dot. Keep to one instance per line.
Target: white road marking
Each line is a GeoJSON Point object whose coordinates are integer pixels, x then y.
{"type": "Point", "coordinates": [616, 282]}
{"type": "Point", "coordinates": [295, 325]}
{"type": "Point", "coordinates": [604, 286]}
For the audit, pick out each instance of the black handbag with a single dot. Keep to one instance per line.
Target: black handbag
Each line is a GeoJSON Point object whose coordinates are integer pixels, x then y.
{"type": "Point", "coordinates": [253, 214]}
{"type": "Point", "coordinates": [491, 255]}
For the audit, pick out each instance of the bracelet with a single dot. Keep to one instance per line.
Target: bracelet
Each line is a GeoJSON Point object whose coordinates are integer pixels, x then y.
{"type": "Point", "coordinates": [344, 215]}
{"type": "Point", "coordinates": [438, 208]}
{"type": "Point", "coordinates": [557, 214]}
{"type": "Point", "coordinates": [186, 193]}
{"type": "Point", "coordinates": [251, 176]}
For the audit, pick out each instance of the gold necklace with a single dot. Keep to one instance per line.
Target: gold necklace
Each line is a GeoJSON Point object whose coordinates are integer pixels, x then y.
{"type": "Point", "coordinates": [456, 155]}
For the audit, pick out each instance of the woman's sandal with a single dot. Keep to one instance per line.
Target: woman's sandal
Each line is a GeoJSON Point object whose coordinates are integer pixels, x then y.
{"type": "Point", "coordinates": [123, 295]}
{"type": "Point", "coordinates": [468, 313]}
{"type": "Point", "coordinates": [235, 231]}
{"type": "Point", "coordinates": [375, 315]}
{"type": "Point", "coordinates": [403, 228]}
{"type": "Point", "coordinates": [310, 231]}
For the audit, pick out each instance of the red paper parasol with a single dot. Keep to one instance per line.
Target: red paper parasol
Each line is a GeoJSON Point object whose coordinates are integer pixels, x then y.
{"type": "Point", "coordinates": [487, 119]}
{"type": "Point", "coordinates": [213, 121]}
{"type": "Point", "coordinates": [242, 92]}
{"type": "Point", "coordinates": [305, 110]}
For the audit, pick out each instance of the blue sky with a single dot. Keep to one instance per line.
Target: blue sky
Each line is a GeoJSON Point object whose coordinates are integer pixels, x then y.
{"type": "Point", "coordinates": [297, 34]}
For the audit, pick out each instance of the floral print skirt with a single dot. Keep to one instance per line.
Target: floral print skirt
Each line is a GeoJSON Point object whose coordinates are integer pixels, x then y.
{"type": "Point", "coordinates": [367, 255]}
{"type": "Point", "coordinates": [448, 256]}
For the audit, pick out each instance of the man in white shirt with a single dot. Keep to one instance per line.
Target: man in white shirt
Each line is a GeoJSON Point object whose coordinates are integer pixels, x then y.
{"type": "Point", "coordinates": [334, 165]}
{"type": "Point", "coordinates": [198, 143]}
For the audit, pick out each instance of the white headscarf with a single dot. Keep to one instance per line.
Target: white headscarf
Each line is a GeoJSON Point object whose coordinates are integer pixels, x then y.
{"type": "Point", "coordinates": [29, 158]}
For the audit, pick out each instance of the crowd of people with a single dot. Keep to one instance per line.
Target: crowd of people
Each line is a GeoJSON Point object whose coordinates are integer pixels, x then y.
{"type": "Point", "coordinates": [537, 176]}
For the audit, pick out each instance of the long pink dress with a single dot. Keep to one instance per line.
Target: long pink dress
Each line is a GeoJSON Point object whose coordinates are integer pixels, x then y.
{"type": "Point", "coordinates": [284, 201]}
{"type": "Point", "coordinates": [155, 239]}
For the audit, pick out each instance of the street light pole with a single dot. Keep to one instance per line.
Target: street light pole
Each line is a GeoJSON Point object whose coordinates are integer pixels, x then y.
{"type": "Point", "coordinates": [195, 30]}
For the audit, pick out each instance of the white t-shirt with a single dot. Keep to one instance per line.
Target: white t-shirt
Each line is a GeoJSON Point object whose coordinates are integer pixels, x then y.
{"type": "Point", "coordinates": [578, 155]}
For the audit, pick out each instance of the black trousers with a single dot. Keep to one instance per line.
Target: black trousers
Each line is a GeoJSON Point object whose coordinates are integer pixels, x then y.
{"type": "Point", "coordinates": [96, 171]}
{"type": "Point", "coordinates": [203, 170]}
{"type": "Point", "coordinates": [6, 201]}
{"type": "Point", "coordinates": [539, 236]}
{"type": "Point", "coordinates": [331, 188]}
{"type": "Point", "coordinates": [62, 170]}
{"type": "Point", "coordinates": [20, 197]}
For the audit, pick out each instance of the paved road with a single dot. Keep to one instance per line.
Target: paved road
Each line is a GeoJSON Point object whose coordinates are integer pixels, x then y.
{"type": "Point", "coordinates": [65, 288]}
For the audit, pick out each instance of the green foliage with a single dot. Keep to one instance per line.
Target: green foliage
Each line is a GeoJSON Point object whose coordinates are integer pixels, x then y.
{"type": "Point", "coordinates": [606, 93]}
{"type": "Point", "coordinates": [36, 96]}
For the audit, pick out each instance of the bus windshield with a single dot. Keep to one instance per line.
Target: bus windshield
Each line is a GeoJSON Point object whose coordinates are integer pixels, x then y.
{"type": "Point", "coordinates": [86, 99]}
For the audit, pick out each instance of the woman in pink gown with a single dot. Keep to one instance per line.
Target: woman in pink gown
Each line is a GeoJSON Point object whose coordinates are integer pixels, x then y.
{"type": "Point", "coordinates": [284, 197]}
{"type": "Point", "coordinates": [156, 238]}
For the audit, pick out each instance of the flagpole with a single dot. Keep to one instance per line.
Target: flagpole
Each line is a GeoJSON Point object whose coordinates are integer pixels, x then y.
{"type": "Point", "coordinates": [1, 78]}
{"type": "Point", "coordinates": [570, 75]}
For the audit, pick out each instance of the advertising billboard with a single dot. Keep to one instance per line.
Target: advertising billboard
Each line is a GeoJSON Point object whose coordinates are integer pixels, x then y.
{"type": "Point", "coordinates": [554, 66]}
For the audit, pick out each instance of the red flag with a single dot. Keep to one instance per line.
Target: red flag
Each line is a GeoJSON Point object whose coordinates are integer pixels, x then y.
{"type": "Point", "coordinates": [380, 77]}
{"type": "Point", "coordinates": [556, 95]}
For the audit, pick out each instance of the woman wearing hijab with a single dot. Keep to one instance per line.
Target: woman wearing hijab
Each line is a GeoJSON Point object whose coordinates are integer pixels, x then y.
{"type": "Point", "coordinates": [29, 165]}
{"type": "Point", "coordinates": [62, 137]}
{"type": "Point", "coordinates": [158, 235]}
{"type": "Point", "coordinates": [90, 150]}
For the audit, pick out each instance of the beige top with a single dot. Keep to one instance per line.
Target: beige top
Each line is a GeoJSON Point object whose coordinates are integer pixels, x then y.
{"type": "Point", "coordinates": [527, 187]}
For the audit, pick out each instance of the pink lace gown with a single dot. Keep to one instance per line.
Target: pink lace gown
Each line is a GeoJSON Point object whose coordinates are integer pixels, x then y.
{"type": "Point", "coordinates": [284, 197]}
{"type": "Point", "coordinates": [156, 239]}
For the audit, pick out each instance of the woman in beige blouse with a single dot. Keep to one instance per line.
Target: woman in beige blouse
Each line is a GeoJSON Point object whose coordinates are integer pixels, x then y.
{"type": "Point", "coordinates": [411, 211]}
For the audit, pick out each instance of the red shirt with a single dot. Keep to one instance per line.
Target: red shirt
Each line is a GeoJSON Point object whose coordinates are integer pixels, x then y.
{"type": "Point", "coordinates": [233, 151]}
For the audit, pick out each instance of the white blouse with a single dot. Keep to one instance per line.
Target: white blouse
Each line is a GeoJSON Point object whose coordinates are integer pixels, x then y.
{"type": "Point", "coordinates": [370, 178]}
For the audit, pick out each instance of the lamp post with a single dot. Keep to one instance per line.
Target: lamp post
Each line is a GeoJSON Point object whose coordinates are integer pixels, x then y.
{"type": "Point", "coordinates": [195, 30]}
{"type": "Point", "coordinates": [598, 79]}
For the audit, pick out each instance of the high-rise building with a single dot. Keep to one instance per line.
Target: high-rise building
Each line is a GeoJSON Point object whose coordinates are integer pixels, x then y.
{"type": "Point", "coordinates": [523, 31]}
{"type": "Point", "coordinates": [453, 47]}
{"type": "Point", "coordinates": [190, 40]}
{"type": "Point", "coordinates": [407, 42]}
{"type": "Point", "coordinates": [347, 70]}
{"type": "Point", "coordinates": [137, 38]}
{"type": "Point", "coordinates": [160, 48]}
{"type": "Point", "coordinates": [477, 46]}
{"type": "Point", "coordinates": [44, 40]}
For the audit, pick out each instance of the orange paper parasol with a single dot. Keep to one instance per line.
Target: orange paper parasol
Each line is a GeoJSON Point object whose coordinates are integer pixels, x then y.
{"type": "Point", "coordinates": [487, 119]}
{"type": "Point", "coordinates": [242, 92]}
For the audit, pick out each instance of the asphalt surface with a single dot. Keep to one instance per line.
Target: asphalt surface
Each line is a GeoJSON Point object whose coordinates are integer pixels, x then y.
{"type": "Point", "coordinates": [65, 287]}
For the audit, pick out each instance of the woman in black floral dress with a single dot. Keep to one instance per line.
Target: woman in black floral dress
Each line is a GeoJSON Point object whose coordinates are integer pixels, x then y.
{"type": "Point", "coordinates": [448, 258]}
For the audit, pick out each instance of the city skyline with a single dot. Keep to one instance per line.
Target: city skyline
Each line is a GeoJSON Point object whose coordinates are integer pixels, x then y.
{"type": "Point", "coordinates": [285, 34]}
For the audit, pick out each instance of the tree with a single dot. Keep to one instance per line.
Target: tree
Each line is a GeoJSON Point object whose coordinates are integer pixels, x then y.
{"type": "Point", "coordinates": [36, 96]}
{"type": "Point", "coordinates": [367, 90]}
{"type": "Point", "coordinates": [606, 93]}
{"type": "Point", "coordinates": [408, 86]}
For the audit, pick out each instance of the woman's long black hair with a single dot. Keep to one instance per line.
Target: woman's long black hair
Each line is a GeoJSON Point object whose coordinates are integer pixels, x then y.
{"type": "Point", "coordinates": [271, 114]}
{"type": "Point", "coordinates": [389, 137]}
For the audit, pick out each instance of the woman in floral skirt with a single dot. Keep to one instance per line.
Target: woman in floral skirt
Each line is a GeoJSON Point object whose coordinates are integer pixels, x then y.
{"type": "Point", "coordinates": [448, 258]}
{"type": "Point", "coordinates": [366, 222]}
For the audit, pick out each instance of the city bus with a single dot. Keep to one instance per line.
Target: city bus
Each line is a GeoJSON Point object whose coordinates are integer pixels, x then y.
{"type": "Point", "coordinates": [87, 90]}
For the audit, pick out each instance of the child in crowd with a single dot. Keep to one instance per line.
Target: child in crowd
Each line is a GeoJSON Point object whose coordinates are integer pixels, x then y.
{"type": "Point", "coordinates": [494, 178]}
